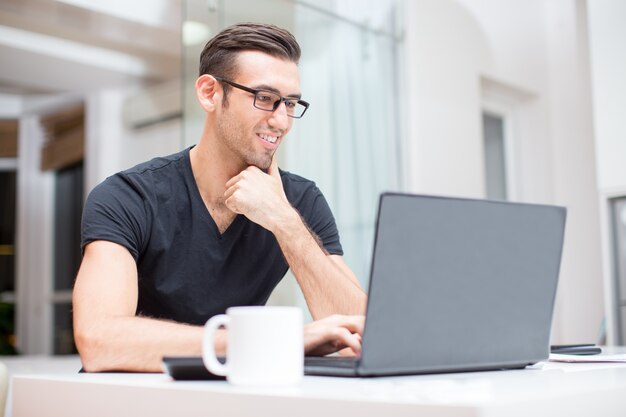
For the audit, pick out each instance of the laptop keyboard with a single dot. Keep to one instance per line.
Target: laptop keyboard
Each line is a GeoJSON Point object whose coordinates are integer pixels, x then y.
{"type": "Point", "coordinates": [331, 361]}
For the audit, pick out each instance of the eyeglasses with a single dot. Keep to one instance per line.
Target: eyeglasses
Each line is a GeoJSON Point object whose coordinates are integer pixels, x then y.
{"type": "Point", "coordinates": [269, 100]}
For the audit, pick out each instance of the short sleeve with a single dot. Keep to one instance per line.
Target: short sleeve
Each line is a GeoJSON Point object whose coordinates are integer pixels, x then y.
{"type": "Point", "coordinates": [115, 211]}
{"type": "Point", "coordinates": [322, 222]}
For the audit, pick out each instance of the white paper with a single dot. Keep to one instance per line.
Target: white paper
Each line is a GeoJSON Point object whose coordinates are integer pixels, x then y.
{"type": "Point", "coordinates": [555, 357]}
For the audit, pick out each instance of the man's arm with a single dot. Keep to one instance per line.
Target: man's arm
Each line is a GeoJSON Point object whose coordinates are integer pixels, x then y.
{"type": "Point", "coordinates": [328, 284]}
{"type": "Point", "coordinates": [108, 334]}
{"type": "Point", "coordinates": [110, 337]}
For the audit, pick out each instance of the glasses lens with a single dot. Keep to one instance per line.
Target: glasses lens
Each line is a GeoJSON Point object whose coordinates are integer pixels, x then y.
{"type": "Point", "coordinates": [265, 100]}
{"type": "Point", "coordinates": [269, 101]}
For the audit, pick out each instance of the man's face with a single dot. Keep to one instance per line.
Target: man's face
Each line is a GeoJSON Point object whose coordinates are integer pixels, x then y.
{"type": "Point", "coordinates": [250, 134]}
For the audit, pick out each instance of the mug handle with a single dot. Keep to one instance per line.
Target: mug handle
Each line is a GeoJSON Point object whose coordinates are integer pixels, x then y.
{"type": "Point", "coordinates": [208, 345]}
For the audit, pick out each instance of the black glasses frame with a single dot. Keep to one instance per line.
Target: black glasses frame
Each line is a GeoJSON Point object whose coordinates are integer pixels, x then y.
{"type": "Point", "coordinates": [276, 103]}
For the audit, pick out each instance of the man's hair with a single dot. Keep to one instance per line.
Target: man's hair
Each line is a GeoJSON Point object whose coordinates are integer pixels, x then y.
{"type": "Point", "coordinates": [218, 57]}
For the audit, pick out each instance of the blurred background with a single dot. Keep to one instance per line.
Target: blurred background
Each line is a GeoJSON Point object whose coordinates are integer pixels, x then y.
{"type": "Point", "coordinates": [521, 100]}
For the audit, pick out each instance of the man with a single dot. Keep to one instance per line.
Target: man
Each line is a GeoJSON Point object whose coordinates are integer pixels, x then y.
{"type": "Point", "coordinates": [171, 242]}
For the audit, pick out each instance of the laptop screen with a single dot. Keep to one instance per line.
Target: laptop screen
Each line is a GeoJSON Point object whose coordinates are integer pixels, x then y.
{"type": "Point", "coordinates": [461, 284]}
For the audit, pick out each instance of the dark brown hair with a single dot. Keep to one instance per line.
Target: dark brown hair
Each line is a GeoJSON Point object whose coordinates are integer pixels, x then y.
{"type": "Point", "coordinates": [219, 55]}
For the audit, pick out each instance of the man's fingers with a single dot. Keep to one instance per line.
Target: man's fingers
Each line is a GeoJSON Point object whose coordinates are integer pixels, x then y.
{"type": "Point", "coordinates": [231, 205]}
{"type": "Point", "coordinates": [229, 191]}
{"type": "Point", "coordinates": [233, 180]}
{"type": "Point", "coordinates": [242, 175]}
{"type": "Point", "coordinates": [334, 333]}
{"type": "Point", "coordinates": [353, 323]}
{"type": "Point", "coordinates": [351, 341]}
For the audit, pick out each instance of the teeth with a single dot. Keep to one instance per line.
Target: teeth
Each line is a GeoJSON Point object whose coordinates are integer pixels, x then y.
{"type": "Point", "coordinates": [270, 139]}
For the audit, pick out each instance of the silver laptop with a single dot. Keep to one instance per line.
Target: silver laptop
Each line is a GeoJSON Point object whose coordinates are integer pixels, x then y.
{"type": "Point", "coordinates": [457, 285]}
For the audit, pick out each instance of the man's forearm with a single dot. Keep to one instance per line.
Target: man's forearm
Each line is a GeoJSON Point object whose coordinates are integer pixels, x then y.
{"type": "Point", "coordinates": [138, 343]}
{"type": "Point", "coordinates": [327, 287]}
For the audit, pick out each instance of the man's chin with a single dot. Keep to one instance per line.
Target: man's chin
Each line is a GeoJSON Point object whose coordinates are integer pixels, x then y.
{"type": "Point", "coordinates": [263, 164]}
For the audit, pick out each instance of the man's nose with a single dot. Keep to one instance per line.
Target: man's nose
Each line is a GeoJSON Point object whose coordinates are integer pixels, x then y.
{"type": "Point", "coordinates": [279, 119]}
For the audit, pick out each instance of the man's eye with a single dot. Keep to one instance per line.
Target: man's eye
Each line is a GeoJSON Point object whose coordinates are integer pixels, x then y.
{"type": "Point", "coordinates": [264, 98]}
{"type": "Point", "coordinates": [291, 104]}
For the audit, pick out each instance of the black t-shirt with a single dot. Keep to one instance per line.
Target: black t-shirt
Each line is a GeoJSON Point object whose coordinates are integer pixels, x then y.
{"type": "Point", "coordinates": [187, 271]}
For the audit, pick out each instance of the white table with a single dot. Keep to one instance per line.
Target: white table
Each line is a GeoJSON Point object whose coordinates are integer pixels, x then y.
{"type": "Point", "coordinates": [553, 390]}
{"type": "Point", "coordinates": [36, 365]}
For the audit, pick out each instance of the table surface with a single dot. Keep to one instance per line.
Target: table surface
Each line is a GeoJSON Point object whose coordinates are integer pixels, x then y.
{"type": "Point", "coordinates": [547, 388]}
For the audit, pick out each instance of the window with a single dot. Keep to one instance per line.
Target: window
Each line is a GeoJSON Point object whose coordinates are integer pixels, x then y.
{"type": "Point", "coordinates": [68, 209]}
{"type": "Point", "coordinates": [7, 262]}
{"type": "Point", "coordinates": [495, 157]}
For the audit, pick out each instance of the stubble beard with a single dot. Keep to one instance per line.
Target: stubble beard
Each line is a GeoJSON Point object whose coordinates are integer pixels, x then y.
{"type": "Point", "coordinates": [233, 136]}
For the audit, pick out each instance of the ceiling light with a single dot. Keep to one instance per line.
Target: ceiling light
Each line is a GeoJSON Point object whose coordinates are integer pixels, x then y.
{"type": "Point", "coordinates": [195, 33]}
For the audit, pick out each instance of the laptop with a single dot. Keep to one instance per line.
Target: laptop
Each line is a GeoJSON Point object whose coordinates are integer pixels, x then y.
{"type": "Point", "coordinates": [455, 285]}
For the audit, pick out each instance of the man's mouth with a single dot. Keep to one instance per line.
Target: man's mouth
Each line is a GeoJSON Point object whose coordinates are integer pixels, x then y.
{"type": "Point", "coordinates": [268, 138]}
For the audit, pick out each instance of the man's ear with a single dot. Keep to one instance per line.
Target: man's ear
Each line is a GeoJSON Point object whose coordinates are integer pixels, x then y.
{"type": "Point", "coordinates": [208, 91]}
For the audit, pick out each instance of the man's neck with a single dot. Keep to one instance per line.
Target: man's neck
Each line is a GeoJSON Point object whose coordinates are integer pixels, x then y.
{"type": "Point", "coordinates": [212, 170]}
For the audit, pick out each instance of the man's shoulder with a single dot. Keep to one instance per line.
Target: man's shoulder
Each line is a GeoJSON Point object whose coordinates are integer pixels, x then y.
{"type": "Point", "coordinates": [149, 172]}
{"type": "Point", "coordinates": [296, 185]}
{"type": "Point", "coordinates": [301, 192]}
{"type": "Point", "coordinates": [294, 179]}
{"type": "Point", "coordinates": [158, 164]}
{"type": "Point", "coordinates": [145, 178]}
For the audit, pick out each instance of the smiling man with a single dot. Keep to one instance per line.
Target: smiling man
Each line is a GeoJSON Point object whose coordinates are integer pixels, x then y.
{"type": "Point", "coordinates": [173, 241]}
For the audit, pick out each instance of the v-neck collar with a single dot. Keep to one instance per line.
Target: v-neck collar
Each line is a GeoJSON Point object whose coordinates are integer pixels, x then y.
{"type": "Point", "coordinates": [198, 202]}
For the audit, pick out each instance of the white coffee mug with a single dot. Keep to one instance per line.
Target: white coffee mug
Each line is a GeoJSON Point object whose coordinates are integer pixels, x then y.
{"type": "Point", "coordinates": [265, 345]}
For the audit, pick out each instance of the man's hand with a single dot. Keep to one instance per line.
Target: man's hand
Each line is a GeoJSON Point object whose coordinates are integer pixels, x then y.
{"type": "Point", "coordinates": [328, 284]}
{"type": "Point", "coordinates": [259, 196]}
{"type": "Point", "coordinates": [333, 333]}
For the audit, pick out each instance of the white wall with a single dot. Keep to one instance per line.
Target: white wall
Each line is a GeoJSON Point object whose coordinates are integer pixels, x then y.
{"type": "Point", "coordinates": [607, 33]}
{"type": "Point", "coordinates": [534, 53]}
{"type": "Point", "coordinates": [34, 234]}
{"type": "Point", "coordinates": [10, 106]}
{"type": "Point", "coordinates": [444, 51]}
{"type": "Point", "coordinates": [111, 146]}
{"type": "Point", "coordinates": [580, 303]}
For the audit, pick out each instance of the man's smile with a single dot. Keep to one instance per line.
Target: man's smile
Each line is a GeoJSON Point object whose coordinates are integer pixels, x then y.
{"type": "Point", "coordinates": [268, 138]}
